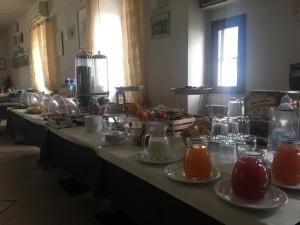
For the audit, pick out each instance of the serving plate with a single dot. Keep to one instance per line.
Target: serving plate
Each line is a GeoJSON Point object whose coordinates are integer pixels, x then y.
{"type": "Point", "coordinates": [144, 156]}
{"type": "Point", "coordinates": [274, 197]}
{"type": "Point", "coordinates": [175, 171]}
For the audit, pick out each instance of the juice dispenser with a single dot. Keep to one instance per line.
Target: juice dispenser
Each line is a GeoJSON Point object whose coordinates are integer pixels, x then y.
{"type": "Point", "coordinates": [284, 125]}
{"type": "Point", "coordinates": [101, 83]}
{"type": "Point", "coordinates": [100, 73]}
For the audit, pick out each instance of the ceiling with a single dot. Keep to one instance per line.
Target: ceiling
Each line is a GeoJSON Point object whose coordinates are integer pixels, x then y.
{"type": "Point", "coordinates": [11, 10]}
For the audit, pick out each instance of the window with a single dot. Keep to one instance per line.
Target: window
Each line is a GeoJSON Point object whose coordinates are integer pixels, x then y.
{"type": "Point", "coordinates": [228, 63]}
{"type": "Point", "coordinates": [109, 40]}
{"type": "Point", "coordinates": [116, 28]}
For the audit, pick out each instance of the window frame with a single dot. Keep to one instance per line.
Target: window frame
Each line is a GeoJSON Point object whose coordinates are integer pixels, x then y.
{"type": "Point", "coordinates": [240, 21]}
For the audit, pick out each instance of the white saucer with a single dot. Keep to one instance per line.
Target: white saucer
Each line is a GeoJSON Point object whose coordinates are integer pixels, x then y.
{"type": "Point", "coordinates": [143, 156]}
{"type": "Point", "coordinates": [279, 184]}
{"type": "Point", "coordinates": [175, 171]}
{"type": "Point", "coordinates": [274, 197]}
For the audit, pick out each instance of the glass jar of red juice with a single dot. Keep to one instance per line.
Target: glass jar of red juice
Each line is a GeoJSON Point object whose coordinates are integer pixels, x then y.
{"type": "Point", "coordinates": [251, 176]}
{"type": "Point", "coordinates": [286, 163]}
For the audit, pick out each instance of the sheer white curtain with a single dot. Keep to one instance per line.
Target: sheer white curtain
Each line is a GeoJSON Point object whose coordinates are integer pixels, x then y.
{"type": "Point", "coordinates": [105, 35]}
{"type": "Point", "coordinates": [116, 28]}
{"type": "Point", "coordinates": [133, 42]}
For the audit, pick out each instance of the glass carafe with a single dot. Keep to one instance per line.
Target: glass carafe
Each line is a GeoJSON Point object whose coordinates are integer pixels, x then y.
{"type": "Point", "coordinates": [158, 146]}
{"type": "Point", "coordinates": [84, 79]}
{"type": "Point", "coordinates": [284, 124]}
{"type": "Point", "coordinates": [286, 163]}
{"type": "Point", "coordinates": [251, 176]}
{"type": "Point", "coordinates": [197, 163]}
{"type": "Point", "coordinates": [236, 107]}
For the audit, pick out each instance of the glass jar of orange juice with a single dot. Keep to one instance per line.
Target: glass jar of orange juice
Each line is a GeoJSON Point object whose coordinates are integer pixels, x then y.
{"type": "Point", "coordinates": [197, 163]}
{"type": "Point", "coordinates": [286, 163]}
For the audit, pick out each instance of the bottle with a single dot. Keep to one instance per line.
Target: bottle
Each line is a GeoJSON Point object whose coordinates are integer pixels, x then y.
{"type": "Point", "coordinates": [73, 87]}
{"type": "Point", "coordinates": [284, 125]}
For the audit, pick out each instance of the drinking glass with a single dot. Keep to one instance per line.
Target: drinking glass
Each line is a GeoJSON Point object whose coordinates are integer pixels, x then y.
{"type": "Point", "coordinates": [233, 131]}
{"type": "Point", "coordinates": [236, 107]}
{"type": "Point", "coordinates": [224, 131]}
{"type": "Point", "coordinates": [215, 130]}
{"type": "Point", "coordinates": [250, 140]}
{"type": "Point", "coordinates": [229, 131]}
{"type": "Point", "coordinates": [243, 126]}
{"type": "Point", "coordinates": [227, 153]}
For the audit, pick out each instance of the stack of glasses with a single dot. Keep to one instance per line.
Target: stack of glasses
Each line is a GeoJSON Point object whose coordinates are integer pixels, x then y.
{"type": "Point", "coordinates": [230, 131]}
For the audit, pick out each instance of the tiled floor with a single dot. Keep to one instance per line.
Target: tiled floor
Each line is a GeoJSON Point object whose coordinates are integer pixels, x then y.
{"type": "Point", "coordinates": [40, 200]}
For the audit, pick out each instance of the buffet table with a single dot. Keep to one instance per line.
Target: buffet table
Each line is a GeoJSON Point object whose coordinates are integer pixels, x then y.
{"type": "Point", "coordinates": [3, 108]}
{"type": "Point", "coordinates": [26, 128]}
{"type": "Point", "coordinates": [142, 190]}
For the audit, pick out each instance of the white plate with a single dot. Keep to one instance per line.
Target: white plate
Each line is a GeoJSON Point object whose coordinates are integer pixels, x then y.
{"type": "Point", "coordinates": [274, 197]}
{"type": "Point", "coordinates": [279, 184]}
{"type": "Point", "coordinates": [143, 156]}
{"type": "Point", "coordinates": [175, 171]}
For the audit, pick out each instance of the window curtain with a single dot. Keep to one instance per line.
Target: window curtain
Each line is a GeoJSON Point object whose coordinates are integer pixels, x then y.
{"type": "Point", "coordinates": [133, 41]}
{"type": "Point", "coordinates": [43, 57]}
{"type": "Point", "coordinates": [105, 35]}
{"type": "Point", "coordinates": [120, 36]}
{"type": "Point", "coordinates": [93, 21]}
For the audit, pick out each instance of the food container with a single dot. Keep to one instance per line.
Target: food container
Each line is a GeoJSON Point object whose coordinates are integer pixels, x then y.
{"type": "Point", "coordinates": [31, 99]}
{"type": "Point", "coordinates": [61, 112]}
{"type": "Point", "coordinates": [59, 105]}
{"type": "Point", "coordinates": [259, 104]}
{"type": "Point", "coordinates": [114, 137]}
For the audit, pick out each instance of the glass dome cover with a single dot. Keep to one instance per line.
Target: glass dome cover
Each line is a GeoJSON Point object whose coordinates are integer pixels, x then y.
{"type": "Point", "coordinates": [59, 105]}
{"type": "Point", "coordinates": [31, 98]}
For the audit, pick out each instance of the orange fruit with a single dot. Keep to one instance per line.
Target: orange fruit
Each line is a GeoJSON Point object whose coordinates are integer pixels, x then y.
{"type": "Point", "coordinates": [133, 108]}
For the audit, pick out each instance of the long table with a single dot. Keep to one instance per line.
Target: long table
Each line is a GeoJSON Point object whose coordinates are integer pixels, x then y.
{"type": "Point", "coordinates": [3, 108]}
{"type": "Point", "coordinates": [142, 190]}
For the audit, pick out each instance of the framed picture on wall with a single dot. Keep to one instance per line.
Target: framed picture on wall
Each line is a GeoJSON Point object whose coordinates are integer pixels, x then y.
{"type": "Point", "coordinates": [160, 25]}
{"type": "Point", "coordinates": [2, 64]}
{"type": "Point", "coordinates": [206, 3]}
{"type": "Point", "coordinates": [82, 28]}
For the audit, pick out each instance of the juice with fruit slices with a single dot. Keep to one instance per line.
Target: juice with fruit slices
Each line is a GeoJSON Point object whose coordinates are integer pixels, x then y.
{"type": "Point", "coordinates": [197, 164]}
{"type": "Point", "coordinates": [286, 164]}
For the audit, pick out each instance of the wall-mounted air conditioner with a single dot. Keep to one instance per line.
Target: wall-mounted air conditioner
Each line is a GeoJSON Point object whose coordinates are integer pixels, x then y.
{"type": "Point", "coordinates": [37, 11]}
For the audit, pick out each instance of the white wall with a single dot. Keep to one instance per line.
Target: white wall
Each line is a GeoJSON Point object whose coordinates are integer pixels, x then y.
{"type": "Point", "coordinates": [272, 42]}
{"type": "Point", "coordinates": [167, 58]}
{"type": "Point", "coordinates": [3, 54]}
{"type": "Point", "coordinates": [20, 76]}
{"type": "Point", "coordinates": [197, 49]}
{"type": "Point", "coordinates": [64, 14]}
